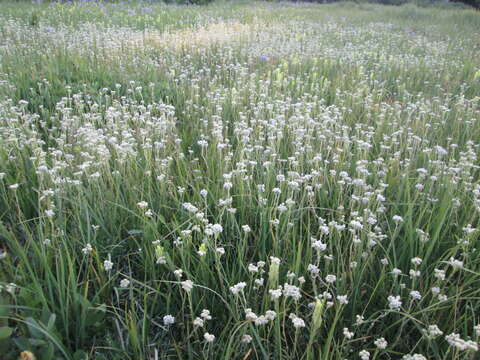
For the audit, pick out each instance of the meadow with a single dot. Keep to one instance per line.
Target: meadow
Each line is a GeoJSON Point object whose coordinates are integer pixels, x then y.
{"type": "Point", "coordinates": [243, 180]}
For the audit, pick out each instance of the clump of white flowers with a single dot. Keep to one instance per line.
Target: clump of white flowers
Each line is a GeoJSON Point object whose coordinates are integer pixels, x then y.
{"type": "Point", "coordinates": [187, 285]}
{"type": "Point", "coordinates": [433, 331]}
{"type": "Point", "coordinates": [142, 204]}
{"type": "Point", "coordinates": [209, 337]}
{"type": "Point", "coordinates": [87, 249]}
{"type": "Point", "coordinates": [348, 334]}
{"type": "Point", "coordinates": [290, 196]}
{"type": "Point", "coordinates": [238, 288]}
{"type": "Point", "coordinates": [457, 342]}
{"type": "Point", "coordinates": [296, 321]}
{"type": "Point", "coordinates": [168, 320]}
{"type": "Point", "coordinates": [364, 355]}
{"type": "Point", "coordinates": [394, 302]}
{"type": "Point", "coordinates": [381, 343]}
{"type": "Point", "coordinates": [414, 357]}
{"type": "Point", "coordinates": [107, 265]}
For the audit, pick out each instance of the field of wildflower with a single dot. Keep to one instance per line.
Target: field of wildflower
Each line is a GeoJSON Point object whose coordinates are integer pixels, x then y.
{"type": "Point", "coordinates": [244, 180]}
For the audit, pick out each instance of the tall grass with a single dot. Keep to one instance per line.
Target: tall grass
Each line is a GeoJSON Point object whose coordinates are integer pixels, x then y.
{"type": "Point", "coordinates": [239, 181]}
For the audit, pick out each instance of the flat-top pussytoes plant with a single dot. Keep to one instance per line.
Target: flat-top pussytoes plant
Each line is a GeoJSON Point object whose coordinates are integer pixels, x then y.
{"type": "Point", "coordinates": [247, 180]}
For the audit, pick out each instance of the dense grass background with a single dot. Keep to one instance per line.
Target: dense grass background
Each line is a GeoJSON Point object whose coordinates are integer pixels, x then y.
{"type": "Point", "coordinates": [369, 112]}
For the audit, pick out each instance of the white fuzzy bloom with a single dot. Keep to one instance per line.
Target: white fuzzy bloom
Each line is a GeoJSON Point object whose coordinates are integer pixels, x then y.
{"type": "Point", "coordinates": [261, 320]}
{"type": "Point", "coordinates": [462, 345]}
{"type": "Point", "coordinates": [397, 219]}
{"type": "Point", "coordinates": [246, 339]}
{"type": "Point", "coordinates": [189, 207]}
{"type": "Point", "coordinates": [435, 290]}
{"type": "Point", "coordinates": [270, 315]}
{"type": "Point", "coordinates": [246, 228]}
{"type": "Point", "coordinates": [217, 228]}
{"type": "Point", "coordinates": [440, 150]}
{"type": "Point", "coordinates": [433, 331]}
{"type": "Point", "coordinates": [296, 321]}
{"type": "Point", "coordinates": [348, 334]}
{"type": "Point", "coordinates": [394, 302]}
{"type": "Point", "coordinates": [168, 320]}
{"type": "Point", "coordinates": [416, 261]}
{"type": "Point", "coordinates": [236, 289]}
{"type": "Point", "coordinates": [107, 265]}
{"type": "Point", "coordinates": [275, 260]}
{"type": "Point", "coordinates": [414, 357]}
{"type": "Point", "coordinates": [330, 279]}
{"type": "Point", "coordinates": [356, 225]}
{"type": "Point", "coordinates": [396, 271]}
{"type": "Point", "coordinates": [250, 315]}
{"type": "Point", "coordinates": [205, 314]}
{"type": "Point", "coordinates": [313, 270]}
{"type": "Point", "coordinates": [187, 285]}
{"type": "Point", "coordinates": [364, 355]}
{"type": "Point", "coordinates": [439, 274]}
{"type": "Point", "coordinates": [318, 245]}
{"type": "Point", "coordinates": [149, 213]}
{"type": "Point", "coordinates": [469, 229]}
{"type": "Point", "coordinates": [198, 322]}
{"type": "Point", "coordinates": [275, 293]}
{"type": "Point", "coordinates": [209, 337]}
{"type": "Point", "coordinates": [87, 249]}
{"type": "Point", "coordinates": [414, 273]}
{"type": "Point", "coordinates": [457, 264]}
{"type": "Point", "coordinates": [142, 204]}
{"type": "Point", "coordinates": [124, 283]}
{"type": "Point", "coordinates": [291, 291]}
{"type": "Point", "coordinates": [253, 268]}
{"type": "Point", "coordinates": [259, 282]}
{"type": "Point", "coordinates": [381, 343]}
{"type": "Point", "coordinates": [10, 288]}
{"type": "Point", "coordinates": [415, 295]}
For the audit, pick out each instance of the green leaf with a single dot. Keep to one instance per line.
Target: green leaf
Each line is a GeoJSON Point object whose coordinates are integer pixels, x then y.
{"type": "Point", "coordinates": [22, 343]}
{"type": "Point", "coordinates": [37, 342]}
{"type": "Point", "coordinates": [49, 352]}
{"type": "Point", "coordinates": [51, 322]}
{"type": "Point", "coordinates": [80, 299]}
{"type": "Point", "coordinates": [96, 314]}
{"type": "Point", "coordinates": [34, 328]}
{"type": "Point", "coordinates": [80, 355]}
{"type": "Point", "coordinates": [4, 307]}
{"type": "Point", "coordinates": [5, 332]}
